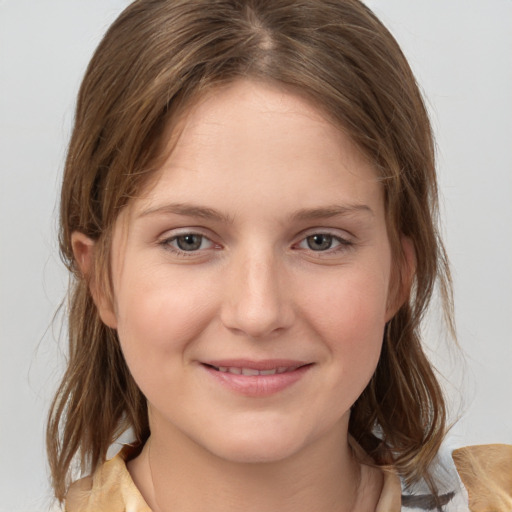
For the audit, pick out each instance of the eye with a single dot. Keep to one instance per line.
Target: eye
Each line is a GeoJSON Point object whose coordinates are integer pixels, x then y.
{"type": "Point", "coordinates": [319, 242]}
{"type": "Point", "coordinates": [188, 243]}
{"type": "Point", "coordinates": [323, 242]}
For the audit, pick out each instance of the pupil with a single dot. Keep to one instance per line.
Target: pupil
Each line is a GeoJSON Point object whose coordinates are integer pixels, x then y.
{"type": "Point", "coordinates": [319, 242]}
{"type": "Point", "coordinates": [189, 242]}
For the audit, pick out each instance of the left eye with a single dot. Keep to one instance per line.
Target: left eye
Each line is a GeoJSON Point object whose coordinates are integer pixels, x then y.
{"type": "Point", "coordinates": [322, 242]}
{"type": "Point", "coordinates": [189, 242]}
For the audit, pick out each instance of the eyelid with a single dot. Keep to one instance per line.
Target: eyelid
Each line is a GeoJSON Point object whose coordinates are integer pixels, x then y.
{"type": "Point", "coordinates": [341, 234]}
{"type": "Point", "coordinates": [185, 230]}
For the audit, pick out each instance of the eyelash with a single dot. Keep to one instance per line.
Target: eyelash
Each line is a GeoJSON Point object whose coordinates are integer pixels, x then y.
{"type": "Point", "coordinates": [344, 243]}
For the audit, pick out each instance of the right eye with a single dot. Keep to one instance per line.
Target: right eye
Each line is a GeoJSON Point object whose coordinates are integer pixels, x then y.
{"type": "Point", "coordinates": [187, 243]}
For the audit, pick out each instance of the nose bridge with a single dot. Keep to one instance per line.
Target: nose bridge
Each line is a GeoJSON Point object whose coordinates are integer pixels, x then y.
{"type": "Point", "coordinates": [256, 303]}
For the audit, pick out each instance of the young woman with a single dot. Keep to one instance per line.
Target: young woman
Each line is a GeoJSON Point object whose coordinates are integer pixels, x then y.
{"type": "Point", "coordinates": [249, 209]}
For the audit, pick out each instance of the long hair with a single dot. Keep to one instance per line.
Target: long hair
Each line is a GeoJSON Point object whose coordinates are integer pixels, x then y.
{"type": "Point", "coordinates": [155, 59]}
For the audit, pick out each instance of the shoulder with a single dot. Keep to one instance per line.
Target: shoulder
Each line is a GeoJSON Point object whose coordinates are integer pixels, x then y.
{"type": "Point", "coordinates": [109, 489]}
{"type": "Point", "coordinates": [486, 472]}
{"type": "Point", "coordinates": [472, 478]}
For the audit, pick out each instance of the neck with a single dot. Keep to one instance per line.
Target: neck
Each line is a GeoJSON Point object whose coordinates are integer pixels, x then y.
{"type": "Point", "coordinates": [175, 474]}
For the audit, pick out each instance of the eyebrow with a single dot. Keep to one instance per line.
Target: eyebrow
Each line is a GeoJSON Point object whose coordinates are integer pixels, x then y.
{"type": "Point", "coordinates": [191, 210]}
{"type": "Point", "coordinates": [188, 210]}
{"type": "Point", "coordinates": [331, 211]}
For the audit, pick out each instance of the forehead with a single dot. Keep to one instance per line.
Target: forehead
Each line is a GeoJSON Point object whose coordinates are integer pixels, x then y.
{"type": "Point", "coordinates": [250, 132]}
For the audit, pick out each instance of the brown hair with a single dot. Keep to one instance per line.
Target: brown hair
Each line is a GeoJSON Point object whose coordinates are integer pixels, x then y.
{"type": "Point", "coordinates": [156, 57]}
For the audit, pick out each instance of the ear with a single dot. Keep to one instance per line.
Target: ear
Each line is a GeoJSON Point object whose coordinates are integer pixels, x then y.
{"type": "Point", "coordinates": [83, 251]}
{"type": "Point", "coordinates": [403, 278]}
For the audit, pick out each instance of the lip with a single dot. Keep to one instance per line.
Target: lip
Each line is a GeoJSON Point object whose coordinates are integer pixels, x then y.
{"type": "Point", "coordinates": [288, 372]}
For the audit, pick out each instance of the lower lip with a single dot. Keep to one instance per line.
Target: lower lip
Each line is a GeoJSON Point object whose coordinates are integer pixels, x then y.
{"type": "Point", "coordinates": [258, 385]}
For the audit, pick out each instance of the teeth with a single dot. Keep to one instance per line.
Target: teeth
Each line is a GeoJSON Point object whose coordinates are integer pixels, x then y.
{"type": "Point", "coordinates": [253, 372]}
{"type": "Point", "coordinates": [249, 371]}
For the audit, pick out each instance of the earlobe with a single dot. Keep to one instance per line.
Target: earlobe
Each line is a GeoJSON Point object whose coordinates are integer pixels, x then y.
{"type": "Point", "coordinates": [404, 277]}
{"type": "Point", "coordinates": [83, 251]}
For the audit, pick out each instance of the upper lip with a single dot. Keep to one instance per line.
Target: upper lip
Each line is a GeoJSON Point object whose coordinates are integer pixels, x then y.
{"type": "Point", "coordinates": [265, 364]}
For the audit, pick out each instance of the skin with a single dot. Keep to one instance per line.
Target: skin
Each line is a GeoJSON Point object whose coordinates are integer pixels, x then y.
{"type": "Point", "coordinates": [259, 286]}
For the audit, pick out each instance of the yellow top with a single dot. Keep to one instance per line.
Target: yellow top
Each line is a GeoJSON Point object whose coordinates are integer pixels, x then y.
{"type": "Point", "coordinates": [111, 488]}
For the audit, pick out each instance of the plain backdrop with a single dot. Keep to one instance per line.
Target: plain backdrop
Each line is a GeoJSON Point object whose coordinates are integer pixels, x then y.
{"type": "Point", "coordinates": [461, 52]}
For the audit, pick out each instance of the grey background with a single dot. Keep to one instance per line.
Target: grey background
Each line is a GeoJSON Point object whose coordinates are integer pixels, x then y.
{"type": "Point", "coordinates": [461, 51]}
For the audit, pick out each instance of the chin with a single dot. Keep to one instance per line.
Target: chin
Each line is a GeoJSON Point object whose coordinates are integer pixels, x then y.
{"type": "Point", "coordinates": [254, 451]}
{"type": "Point", "coordinates": [257, 443]}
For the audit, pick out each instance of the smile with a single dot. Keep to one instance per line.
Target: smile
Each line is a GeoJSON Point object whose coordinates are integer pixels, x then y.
{"type": "Point", "coordinates": [256, 379]}
{"type": "Point", "coordinates": [252, 371]}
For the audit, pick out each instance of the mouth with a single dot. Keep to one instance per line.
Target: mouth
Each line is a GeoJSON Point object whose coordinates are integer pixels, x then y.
{"type": "Point", "coordinates": [257, 378]}
{"type": "Point", "coordinates": [236, 370]}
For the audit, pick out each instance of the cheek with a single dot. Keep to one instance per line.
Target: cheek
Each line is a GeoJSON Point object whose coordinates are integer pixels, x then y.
{"type": "Point", "coordinates": [350, 316]}
{"type": "Point", "coordinates": [159, 313]}
{"type": "Point", "coordinates": [353, 302]}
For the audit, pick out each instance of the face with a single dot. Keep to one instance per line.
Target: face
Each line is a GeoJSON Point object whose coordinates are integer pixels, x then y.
{"type": "Point", "coordinates": [251, 279]}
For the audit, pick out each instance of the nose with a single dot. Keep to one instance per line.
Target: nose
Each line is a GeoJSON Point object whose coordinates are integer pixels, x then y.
{"type": "Point", "coordinates": [256, 301]}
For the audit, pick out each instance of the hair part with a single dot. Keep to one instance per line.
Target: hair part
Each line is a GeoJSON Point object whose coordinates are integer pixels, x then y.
{"type": "Point", "coordinates": [156, 59]}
